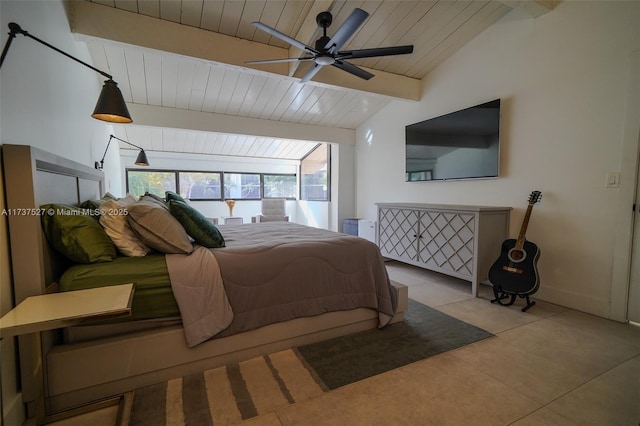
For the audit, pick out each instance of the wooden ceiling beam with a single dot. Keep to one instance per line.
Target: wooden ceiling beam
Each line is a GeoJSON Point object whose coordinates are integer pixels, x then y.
{"type": "Point", "coordinates": [108, 23]}
{"type": "Point", "coordinates": [156, 116]}
{"type": "Point", "coordinates": [111, 24]}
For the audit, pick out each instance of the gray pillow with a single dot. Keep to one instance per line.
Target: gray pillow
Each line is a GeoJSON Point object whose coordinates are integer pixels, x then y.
{"type": "Point", "coordinates": [154, 199]}
{"type": "Point", "coordinates": [157, 228]}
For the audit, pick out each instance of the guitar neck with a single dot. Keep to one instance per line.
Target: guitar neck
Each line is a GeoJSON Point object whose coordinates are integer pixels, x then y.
{"type": "Point", "coordinates": [523, 229]}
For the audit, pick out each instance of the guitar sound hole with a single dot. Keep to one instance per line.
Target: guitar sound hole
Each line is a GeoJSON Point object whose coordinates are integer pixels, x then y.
{"type": "Point", "coordinates": [516, 255]}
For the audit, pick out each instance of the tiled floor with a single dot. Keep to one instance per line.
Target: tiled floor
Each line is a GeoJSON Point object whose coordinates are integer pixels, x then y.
{"type": "Point", "coordinates": [549, 366]}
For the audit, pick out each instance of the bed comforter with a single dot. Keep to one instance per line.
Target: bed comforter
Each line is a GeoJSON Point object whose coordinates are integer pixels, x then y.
{"type": "Point", "coordinates": [277, 271]}
{"type": "Point", "coordinates": [198, 289]}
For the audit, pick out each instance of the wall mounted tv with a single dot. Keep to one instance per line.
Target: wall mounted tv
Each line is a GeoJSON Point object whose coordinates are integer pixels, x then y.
{"type": "Point", "coordinates": [461, 145]}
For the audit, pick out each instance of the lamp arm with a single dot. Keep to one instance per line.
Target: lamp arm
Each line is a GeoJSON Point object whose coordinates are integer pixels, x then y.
{"type": "Point", "coordinates": [7, 45]}
{"type": "Point", "coordinates": [15, 29]}
{"type": "Point", "coordinates": [101, 163]}
{"type": "Point", "coordinates": [104, 155]}
{"type": "Point", "coordinates": [122, 140]}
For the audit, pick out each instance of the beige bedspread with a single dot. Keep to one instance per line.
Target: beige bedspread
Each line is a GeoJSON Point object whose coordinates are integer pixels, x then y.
{"type": "Point", "coordinates": [277, 271]}
{"type": "Point", "coordinates": [198, 289]}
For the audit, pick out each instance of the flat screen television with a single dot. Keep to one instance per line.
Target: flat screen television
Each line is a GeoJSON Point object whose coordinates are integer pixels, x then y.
{"type": "Point", "coordinates": [461, 145]}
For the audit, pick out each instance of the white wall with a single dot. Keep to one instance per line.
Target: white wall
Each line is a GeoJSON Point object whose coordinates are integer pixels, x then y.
{"type": "Point", "coordinates": [569, 115]}
{"type": "Point", "coordinates": [343, 189]}
{"type": "Point", "coordinates": [46, 101]}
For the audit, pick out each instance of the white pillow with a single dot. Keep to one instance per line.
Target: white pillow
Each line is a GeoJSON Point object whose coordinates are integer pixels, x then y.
{"type": "Point", "coordinates": [114, 221]}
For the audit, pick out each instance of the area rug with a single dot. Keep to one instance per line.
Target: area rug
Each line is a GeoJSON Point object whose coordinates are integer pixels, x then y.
{"type": "Point", "coordinates": [236, 392]}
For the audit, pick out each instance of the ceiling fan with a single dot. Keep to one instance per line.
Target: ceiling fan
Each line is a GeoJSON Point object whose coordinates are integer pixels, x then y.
{"type": "Point", "coordinates": [326, 51]}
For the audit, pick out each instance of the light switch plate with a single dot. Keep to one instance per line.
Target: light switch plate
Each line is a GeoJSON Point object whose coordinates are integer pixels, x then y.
{"type": "Point", "coordinates": [613, 179]}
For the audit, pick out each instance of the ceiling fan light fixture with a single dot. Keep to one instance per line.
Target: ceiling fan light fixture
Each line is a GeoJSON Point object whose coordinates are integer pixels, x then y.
{"type": "Point", "coordinates": [327, 49]}
{"type": "Point", "coordinates": [324, 60]}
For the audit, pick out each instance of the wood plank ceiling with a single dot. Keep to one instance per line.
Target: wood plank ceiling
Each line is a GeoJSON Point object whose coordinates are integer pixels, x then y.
{"type": "Point", "coordinates": [180, 65]}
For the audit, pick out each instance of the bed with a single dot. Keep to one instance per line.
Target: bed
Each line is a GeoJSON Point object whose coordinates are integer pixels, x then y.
{"type": "Point", "coordinates": [90, 363]}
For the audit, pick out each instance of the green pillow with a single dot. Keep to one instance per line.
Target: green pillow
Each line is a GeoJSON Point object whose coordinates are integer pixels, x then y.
{"type": "Point", "coordinates": [201, 229]}
{"type": "Point", "coordinates": [170, 195]}
{"type": "Point", "coordinates": [75, 233]}
{"type": "Point", "coordinates": [95, 204]}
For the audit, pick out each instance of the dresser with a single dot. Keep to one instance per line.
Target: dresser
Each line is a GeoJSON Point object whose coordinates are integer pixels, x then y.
{"type": "Point", "coordinates": [458, 240]}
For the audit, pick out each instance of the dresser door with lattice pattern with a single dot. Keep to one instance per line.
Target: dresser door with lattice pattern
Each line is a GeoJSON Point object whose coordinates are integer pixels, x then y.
{"type": "Point", "coordinates": [447, 241]}
{"type": "Point", "coordinates": [398, 232]}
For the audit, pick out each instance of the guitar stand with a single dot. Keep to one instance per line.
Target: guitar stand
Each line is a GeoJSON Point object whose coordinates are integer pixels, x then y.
{"type": "Point", "coordinates": [501, 295]}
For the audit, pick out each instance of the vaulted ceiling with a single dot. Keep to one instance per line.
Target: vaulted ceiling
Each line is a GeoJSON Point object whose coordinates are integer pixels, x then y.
{"type": "Point", "coordinates": [181, 65]}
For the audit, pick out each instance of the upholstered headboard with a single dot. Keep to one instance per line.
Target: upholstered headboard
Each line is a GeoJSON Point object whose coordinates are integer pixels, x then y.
{"type": "Point", "coordinates": [33, 177]}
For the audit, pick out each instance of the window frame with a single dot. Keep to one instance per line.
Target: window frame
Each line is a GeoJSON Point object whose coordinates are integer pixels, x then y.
{"type": "Point", "coordinates": [138, 170]}
{"type": "Point", "coordinates": [221, 174]}
{"type": "Point", "coordinates": [224, 197]}
{"type": "Point", "coordinates": [295, 175]}
{"type": "Point", "coordinates": [222, 181]}
{"type": "Point", "coordinates": [301, 176]}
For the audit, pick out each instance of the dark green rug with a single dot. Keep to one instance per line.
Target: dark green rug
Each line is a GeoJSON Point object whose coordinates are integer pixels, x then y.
{"type": "Point", "coordinates": [425, 332]}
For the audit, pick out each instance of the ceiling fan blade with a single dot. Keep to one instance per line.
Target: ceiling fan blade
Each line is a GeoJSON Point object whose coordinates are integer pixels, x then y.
{"type": "Point", "coordinates": [346, 30]}
{"type": "Point", "coordinates": [275, 61]}
{"type": "Point", "coordinates": [352, 69]}
{"type": "Point", "coordinates": [378, 51]}
{"type": "Point", "coordinates": [284, 37]}
{"type": "Point", "coordinates": [309, 75]}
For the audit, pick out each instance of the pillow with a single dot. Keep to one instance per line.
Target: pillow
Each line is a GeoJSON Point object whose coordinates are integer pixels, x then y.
{"type": "Point", "coordinates": [197, 226]}
{"type": "Point", "coordinates": [170, 195]}
{"type": "Point", "coordinates": [153, 197]}
{"type": "Point", "coordinates": [155, 226]}
{"type": "Point", "coordinates": [95, 204]}
{"type": "Point", "coordinates": [113, 219]}
{"type": "Point", "coordinates": [127, 200]}
{"type": "Point", "coordinates": [76, 234]}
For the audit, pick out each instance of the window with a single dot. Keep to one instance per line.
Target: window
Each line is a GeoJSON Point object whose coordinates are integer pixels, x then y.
{"type": "Point", "coordinates": [151, 181]}
{"type": "Point", "coordinates": [280, 186]}
{"type": "Point", "coordinates": [209, 185]}
{"type": "Point", "coordinates": [419, 176]}
{"type": "Point", "coordinates": [242, 186]}
{"type": "Point", "coordinates": [314, 180]}
{"type": "Point", "coordinates": [200, 185]}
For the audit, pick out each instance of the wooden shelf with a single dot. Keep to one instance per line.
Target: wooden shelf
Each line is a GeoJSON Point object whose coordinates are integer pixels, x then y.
{"type": "Point", "coordinates": [57, 310]}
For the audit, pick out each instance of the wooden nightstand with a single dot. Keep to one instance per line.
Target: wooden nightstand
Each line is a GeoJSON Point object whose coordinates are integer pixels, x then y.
{"type": "Point", "coordinates": [56, 310]}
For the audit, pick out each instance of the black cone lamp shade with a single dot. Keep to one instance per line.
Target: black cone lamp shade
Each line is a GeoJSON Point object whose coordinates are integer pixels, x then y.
{"type": "Point", "coordinates": [111, 106]}
{"type": "Point", "coordinates": [141, 159]}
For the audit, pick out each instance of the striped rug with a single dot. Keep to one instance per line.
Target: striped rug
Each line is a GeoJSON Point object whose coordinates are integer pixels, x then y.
{"type": "Point", "coordinates": [227, 395]}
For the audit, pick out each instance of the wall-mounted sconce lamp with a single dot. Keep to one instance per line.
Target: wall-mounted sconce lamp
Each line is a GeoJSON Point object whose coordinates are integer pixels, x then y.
{"type": "Point", "coordinates": [141, 159]}
{"type": "Point", "coordinates": [110, 106]}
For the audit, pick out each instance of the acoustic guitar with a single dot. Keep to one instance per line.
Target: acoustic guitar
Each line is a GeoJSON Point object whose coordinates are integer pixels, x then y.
{"type": "Point", "coordinates": [515, 272]}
